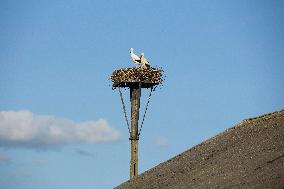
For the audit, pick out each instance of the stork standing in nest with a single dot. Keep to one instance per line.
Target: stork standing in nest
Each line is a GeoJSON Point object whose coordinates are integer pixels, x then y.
{"type": "Point", "coordinates": [144, 61]}
{"type": "Point", "coordinates": [140, 61]}
{"type": "Point", "coordinates": [134, 57]}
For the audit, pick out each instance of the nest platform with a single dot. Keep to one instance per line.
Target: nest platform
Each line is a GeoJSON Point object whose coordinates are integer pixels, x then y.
{"type": "Point", "coordinates": [128, 77]}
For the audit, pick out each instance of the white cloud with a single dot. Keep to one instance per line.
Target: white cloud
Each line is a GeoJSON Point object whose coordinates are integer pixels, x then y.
{"type": "Point", "coordinates": [161, 141]}
{"type": "Point", "coordinates": [25, 129]}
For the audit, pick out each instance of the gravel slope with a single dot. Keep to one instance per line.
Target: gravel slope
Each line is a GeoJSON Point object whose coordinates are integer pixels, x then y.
{"type": "Point", "coordinates": [248, 155]}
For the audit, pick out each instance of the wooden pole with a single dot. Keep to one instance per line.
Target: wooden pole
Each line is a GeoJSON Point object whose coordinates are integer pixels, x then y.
{"type": "Point", "coordinates": [135, 92]}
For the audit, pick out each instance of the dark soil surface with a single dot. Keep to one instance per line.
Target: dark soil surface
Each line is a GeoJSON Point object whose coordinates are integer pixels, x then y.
{"type": "Point", "coordinates": [248, 155]}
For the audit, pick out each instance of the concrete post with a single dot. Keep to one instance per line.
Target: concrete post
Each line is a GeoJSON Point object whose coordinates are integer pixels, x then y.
{"type": "Point", "coordinates": [135, 92]}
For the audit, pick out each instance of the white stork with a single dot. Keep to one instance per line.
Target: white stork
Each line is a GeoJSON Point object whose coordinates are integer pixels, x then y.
{"type": "Point", "coordinates": [144, 61]}
{"type": "Point", "coordinates": [134, 57]}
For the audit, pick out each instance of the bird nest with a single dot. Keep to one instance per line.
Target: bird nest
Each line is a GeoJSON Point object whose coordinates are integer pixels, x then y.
{"type": "Point", "coordinates": [126, 77]}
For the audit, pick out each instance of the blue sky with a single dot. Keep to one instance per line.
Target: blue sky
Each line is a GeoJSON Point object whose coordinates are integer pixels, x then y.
{"type": "Point", "coordinates": [61, 124]}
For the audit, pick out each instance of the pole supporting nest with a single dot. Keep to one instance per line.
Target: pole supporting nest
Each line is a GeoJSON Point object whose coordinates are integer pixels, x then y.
{"type": "Point", "coordinates": [135, 93]}
{"type": "Point", "coordinates": [135, 79]}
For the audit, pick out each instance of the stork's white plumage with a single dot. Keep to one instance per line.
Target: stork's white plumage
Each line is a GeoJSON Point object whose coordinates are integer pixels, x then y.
{"type": "Point", "coordinates": [145, 63]}
{"type": "Point", "coordinates": [134, 57]}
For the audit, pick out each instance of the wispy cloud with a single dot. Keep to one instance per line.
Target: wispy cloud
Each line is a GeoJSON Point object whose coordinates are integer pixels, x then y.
{"type": "Point", "coordinates": [25, 129]}
{"type": "Point", "coordinates": [161, 141]}
{"type": "Point", "coordinates": [85, 153]}
{"type": "Point", "coordinates": [39, 162]}
{"type": "Point", "coordinates": [5, 159]}
{"type": "Point", "coordinates": [23, 174]}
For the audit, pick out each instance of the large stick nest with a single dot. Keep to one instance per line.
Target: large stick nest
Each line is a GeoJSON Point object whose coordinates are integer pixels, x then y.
{"type": "Point", "coordinates": [148, 76]}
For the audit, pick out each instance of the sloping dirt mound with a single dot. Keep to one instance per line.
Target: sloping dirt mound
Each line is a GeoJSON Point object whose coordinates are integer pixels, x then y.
{"type": "Point", "coordinates": [248, 155]}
